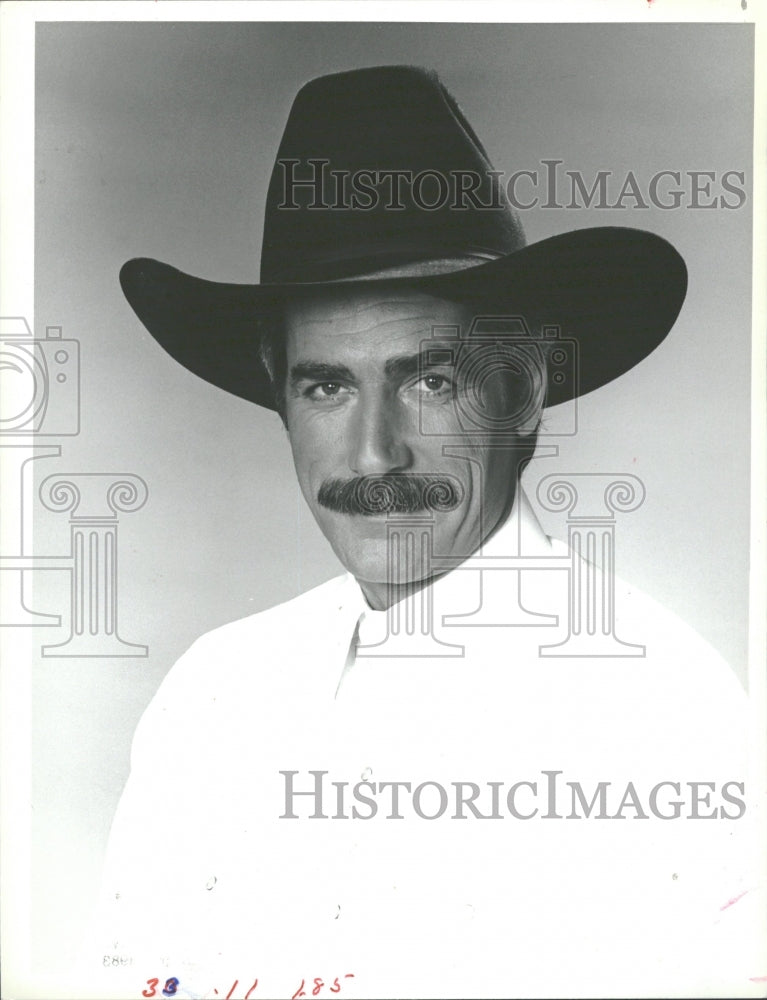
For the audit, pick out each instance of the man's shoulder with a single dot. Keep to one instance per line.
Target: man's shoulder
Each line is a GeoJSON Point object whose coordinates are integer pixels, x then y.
{"type": "Point", "coordinates": [289, 618]}
{"type": "Point", "coordinates": [670, 639]}
{"type": "Point", "coordinates": [238, 656]}
{"type": "Point", "coordinates": [664, 660]}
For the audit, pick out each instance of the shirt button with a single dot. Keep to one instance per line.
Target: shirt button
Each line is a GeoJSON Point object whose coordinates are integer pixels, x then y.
{"type": "Point", "coordinates": [367, 774]}
{"type": "Point", "coordinates": [211, 882]}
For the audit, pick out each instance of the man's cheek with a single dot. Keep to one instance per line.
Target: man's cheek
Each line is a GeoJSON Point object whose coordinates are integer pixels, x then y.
{"type": "Point", "coordinates": [306, 467]}
{"type": "Point", "coordinates": [437, 421]}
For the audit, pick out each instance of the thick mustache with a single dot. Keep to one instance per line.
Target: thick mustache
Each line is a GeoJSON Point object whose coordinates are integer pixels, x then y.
{"type": "Point", "coordinates": [395, 493]}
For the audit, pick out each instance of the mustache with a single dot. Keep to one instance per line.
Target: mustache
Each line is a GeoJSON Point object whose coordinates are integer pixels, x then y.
{"type": "Point", "coordinates": [394, 493]}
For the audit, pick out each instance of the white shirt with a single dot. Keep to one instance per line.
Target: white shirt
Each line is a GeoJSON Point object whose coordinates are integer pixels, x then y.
{"type": "Point", "coordinates": [206, 871]}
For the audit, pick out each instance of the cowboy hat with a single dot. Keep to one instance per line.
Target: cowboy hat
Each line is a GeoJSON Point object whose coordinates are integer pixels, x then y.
{"type": "Point", "coordinates": [380, 178]}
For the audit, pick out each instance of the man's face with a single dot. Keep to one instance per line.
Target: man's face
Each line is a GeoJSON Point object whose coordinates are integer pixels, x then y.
{"type": "Point", "coordinates": [372, 392]}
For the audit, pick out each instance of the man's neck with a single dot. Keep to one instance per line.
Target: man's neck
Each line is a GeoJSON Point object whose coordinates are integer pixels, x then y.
{"type": "Point", "coordinates": [382, 596]}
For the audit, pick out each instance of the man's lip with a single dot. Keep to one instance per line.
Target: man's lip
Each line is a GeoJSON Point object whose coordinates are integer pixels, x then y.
{"type": "Point", "coordinates": [385, 517]}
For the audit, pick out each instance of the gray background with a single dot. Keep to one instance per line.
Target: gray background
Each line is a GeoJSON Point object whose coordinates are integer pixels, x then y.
{"type": "Point", "coordinates": [158, 140]}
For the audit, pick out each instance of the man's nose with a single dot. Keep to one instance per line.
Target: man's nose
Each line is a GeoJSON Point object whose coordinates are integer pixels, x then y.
{"type": "Point", "coordinates": [377, 442]}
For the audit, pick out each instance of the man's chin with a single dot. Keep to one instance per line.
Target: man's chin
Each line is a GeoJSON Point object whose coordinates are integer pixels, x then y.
{"type": "Point", "coordinates": [386, 549]}
{"type": "Point", "coordinates": [373, 563]}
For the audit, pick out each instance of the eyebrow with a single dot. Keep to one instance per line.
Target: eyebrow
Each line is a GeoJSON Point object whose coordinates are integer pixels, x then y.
{"type": "Point", "coordinates": [319, 371]}
{"type": "Point", "coordinates": [413, 364]}
{"type": "Point", "coordinates": [398, 367]}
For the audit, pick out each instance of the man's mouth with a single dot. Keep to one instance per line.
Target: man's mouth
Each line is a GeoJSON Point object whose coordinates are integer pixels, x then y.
{"type": "Point", "coordinates": [395, 493]}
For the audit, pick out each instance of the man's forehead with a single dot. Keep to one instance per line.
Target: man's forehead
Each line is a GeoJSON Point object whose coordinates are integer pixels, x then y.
{"type": "Point", "coordinates": [371, 317]}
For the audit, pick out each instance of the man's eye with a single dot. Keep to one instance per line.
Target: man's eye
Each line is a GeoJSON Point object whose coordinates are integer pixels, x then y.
{"type": "Point", "coordinates": [434, 385]}
{"type": "Point", "coordinates": [325, 390]}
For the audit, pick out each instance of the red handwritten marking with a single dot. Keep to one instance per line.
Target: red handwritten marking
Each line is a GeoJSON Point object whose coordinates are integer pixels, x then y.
{"type": "Point", "coordinates": [172, 985]}
{"type": "Point", "coordinates": [757, 979]}
{"type": "Point", "coordinates": [731, 902]}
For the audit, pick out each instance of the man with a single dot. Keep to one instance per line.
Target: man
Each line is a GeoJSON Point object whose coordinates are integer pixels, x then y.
{"type": "Point", "coordinates": [362, 791]}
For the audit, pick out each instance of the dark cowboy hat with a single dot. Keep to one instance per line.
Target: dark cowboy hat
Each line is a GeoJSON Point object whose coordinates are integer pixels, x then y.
{"type": "Point", "coordinates": [379, 177]}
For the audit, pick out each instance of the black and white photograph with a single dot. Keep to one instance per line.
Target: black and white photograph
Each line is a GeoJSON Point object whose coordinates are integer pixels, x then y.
{"type": "Point", "coordinates": [383, 495]}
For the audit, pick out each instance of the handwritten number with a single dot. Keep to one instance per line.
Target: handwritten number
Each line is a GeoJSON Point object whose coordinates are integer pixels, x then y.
{"type": "Point", "coordinates": [336, 987]}
{"type": "Point", "coordinates": [172, 985]}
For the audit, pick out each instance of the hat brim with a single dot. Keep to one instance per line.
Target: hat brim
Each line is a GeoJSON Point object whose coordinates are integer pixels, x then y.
{"type": "Point", "coordinates": [615, 291]}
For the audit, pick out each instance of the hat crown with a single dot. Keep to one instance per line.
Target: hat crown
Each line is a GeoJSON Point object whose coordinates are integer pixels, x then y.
{"type": "Point", "coordinates": [379, 168]}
